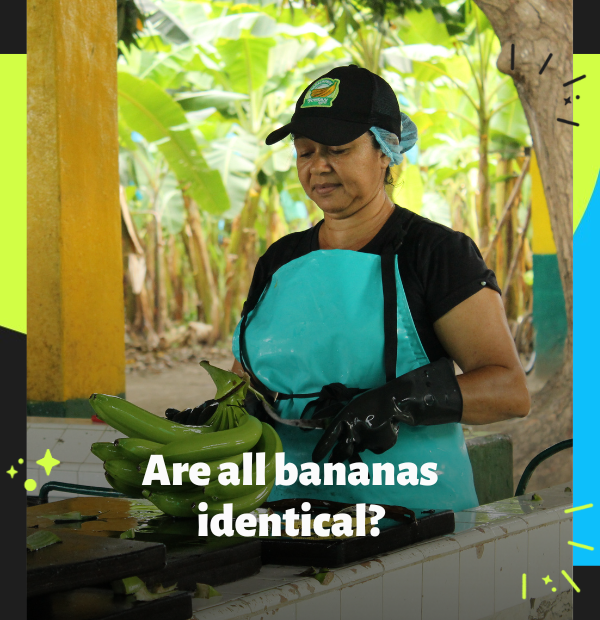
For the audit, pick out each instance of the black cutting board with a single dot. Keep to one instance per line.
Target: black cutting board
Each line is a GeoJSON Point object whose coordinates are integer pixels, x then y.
{"type": "Point", "coordinates": [192, 559]}
{"type": "Point", "coordinates": [102, 604]}
{"type": "Point", "coordinates": [80, 561]}
{"type": "Point", "coordinates": [332, 553]}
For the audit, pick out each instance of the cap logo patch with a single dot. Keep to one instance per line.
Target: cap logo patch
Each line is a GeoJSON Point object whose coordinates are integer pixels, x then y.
{"type": "Point", "coordinates": [322, 93]}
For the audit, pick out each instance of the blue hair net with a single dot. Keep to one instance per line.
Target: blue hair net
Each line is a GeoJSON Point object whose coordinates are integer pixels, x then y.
{"type": "Point", "coordinates": [391, 145]}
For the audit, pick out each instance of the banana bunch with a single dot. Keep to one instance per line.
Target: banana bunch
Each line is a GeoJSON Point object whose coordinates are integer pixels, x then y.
{"type": "Point", "coordinates": [226, 432]}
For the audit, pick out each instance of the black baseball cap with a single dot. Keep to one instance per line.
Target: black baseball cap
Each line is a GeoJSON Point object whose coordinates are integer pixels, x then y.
{"type": "Point", "coordinates": [341, 106]}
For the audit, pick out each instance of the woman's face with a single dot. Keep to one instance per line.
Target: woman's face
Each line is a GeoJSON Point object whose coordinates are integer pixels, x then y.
{"type": "Point", "coordinates": [341, 179]}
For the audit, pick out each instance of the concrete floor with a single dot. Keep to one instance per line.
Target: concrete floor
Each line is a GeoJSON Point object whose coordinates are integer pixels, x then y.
{"type": "Point", "coordinates": [185, 385]}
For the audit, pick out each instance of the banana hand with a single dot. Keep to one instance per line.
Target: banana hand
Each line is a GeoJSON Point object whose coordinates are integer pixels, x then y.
{"type": "Point", "coordinates": [122, 487]}
{"type": "Point", "coordinates": [137, 450]}
{"type": "Point", "coordinates": [270, 444]}
{"type": "Point", "coordinates": [215, 446]}
{"type": "Point", "coordinates": [134, 421]}
{"type": "Point", "coordinates": [175, 504]}
{"type": "Point", "coordinates": [241, 505]}
{"type": "Point", "coordinates": [106, 450]}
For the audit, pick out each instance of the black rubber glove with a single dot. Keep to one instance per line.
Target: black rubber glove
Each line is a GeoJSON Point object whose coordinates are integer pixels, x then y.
{"type": "Point", "coordinates": [193, 417]}
{"type": "Point", "coordinates": [425, 396]}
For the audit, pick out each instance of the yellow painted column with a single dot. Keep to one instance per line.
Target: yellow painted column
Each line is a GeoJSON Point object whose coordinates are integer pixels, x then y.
{"type": "Point", "coordinates": [543, 239]}
{"type": "Point", "coordinates": [75, 343]}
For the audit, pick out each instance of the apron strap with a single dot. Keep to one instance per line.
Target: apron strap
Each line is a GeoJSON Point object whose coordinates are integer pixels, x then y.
{"type": "Point", "coordinates": [390, 305]}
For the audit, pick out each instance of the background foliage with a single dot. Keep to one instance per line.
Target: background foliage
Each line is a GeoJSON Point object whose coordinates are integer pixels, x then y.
{"type": "Point", "coordinates": [203, 196]}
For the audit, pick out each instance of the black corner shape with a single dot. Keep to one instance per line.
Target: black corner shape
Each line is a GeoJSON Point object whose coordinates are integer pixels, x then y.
{"type": "Point", "coordinates": [13, 387]}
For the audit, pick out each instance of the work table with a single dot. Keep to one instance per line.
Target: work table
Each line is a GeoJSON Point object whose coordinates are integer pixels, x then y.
{"type": "Point", "coordinates": [474, 573]}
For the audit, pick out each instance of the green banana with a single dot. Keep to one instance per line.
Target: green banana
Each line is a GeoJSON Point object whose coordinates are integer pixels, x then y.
{"type": "Point", "coordinates": [270, 444]}
{"type": "Point", "coordinates": [214, 446]}
{"type": "Point", "coordinates": [137, 450]}
{"type": "Point", "coordinates": [127, 472]}
{"type": "Point", "coordinates": [245, 503]}
{"type": "Point", "coordinates": [214, 468]}
{"type": "Point", "coordinates": [226, 381]}
{"type": "Point", "coordinates": [176, 504]}
{"type": "Point", "coordinates": [122, 487]}
{"type": "Point", "coordinates": [134, 421]}
{"type": "Point", "coordinates": [106, 450]}
{"type": "Point", "coordinates": [231, 393]}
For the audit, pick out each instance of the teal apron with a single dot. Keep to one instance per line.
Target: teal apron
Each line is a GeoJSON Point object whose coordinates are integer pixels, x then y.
{"type": "Point", "coordinates": [320, 321]}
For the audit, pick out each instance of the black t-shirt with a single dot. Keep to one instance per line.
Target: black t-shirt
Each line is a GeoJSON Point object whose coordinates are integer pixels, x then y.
{"type": "Point", "coordinates": [439, 267]}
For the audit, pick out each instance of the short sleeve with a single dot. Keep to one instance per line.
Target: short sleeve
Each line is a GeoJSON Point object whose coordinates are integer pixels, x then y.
{"type": "Point", "coordinates": [453, 271]}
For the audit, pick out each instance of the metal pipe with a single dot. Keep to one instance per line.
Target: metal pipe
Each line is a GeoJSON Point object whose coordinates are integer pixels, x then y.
{"type": "Point", "coordinates": [542, 456]}
{"type": "Point", "coordinates": [81, 489]}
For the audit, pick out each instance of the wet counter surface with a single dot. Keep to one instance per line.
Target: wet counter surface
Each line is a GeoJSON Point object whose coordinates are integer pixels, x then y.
{"type": "Point", "coordinates": [190, 559]}
{"type": "Point", "coordinates": [275, 587]}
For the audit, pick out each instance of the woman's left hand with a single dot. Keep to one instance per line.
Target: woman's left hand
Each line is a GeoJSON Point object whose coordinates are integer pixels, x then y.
{"type": "Point", "coordinates": [493, 387]}
{"type": "Point", "coordinates": [424, 396]}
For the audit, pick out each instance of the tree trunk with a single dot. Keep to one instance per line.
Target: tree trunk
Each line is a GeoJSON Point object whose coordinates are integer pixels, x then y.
{"type": "Point", "coordinates": [483, 184]}
{"type": "Point", "coordinates": [160, 289]}
{"type": "Point", "coordinates": [208, 288]}
{"type": "Point", "coordinates": [539, 28]}
{"type": "Point", "coordinates": [237, 257]}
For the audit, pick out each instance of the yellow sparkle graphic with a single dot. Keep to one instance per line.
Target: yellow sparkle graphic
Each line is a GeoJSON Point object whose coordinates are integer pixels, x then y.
{"type": "Point", "coordinates": [579, 508]}
{"type": "Point", "coordinates": [30, 484]}
{"type": "Point", "coordinates": [568, 578]}
{"type": "Point", "coordinates": [48, 462]}
{"type": "Point", "coordinates": [574, 544]}
{"type": "Point", "coordinates": [11, 472]}
{"type": "Point", "coordinates": [547, 579]}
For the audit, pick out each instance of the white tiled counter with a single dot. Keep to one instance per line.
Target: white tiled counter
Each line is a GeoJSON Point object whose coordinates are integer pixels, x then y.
{"type": "Point", "coordinates": [69, 442]}
{"type": "Point", "coordinates": [474, 573]}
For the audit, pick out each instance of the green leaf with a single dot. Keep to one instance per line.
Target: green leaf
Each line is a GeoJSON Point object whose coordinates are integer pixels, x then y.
{"type": "Point", "coordinates": [232, 27]}
{"type": "Point", "coordinates": [424, 28]}
{"type": "Point", "coordinates": [128, 585]}
{"type": "Point", "coordinates": [168, 25]}
{"type": "Point", "coordinates": [458, 67]}
{"type": "Point", "coordinates": [285, 56]}
{"type": "Point", "coordinates": [41, 539]}
{"type": "Point", "coordinates": [69, 517]}
{"type": "Point", "coordinates": [220, 99]}
{"type": "Point", "coordinates": [410, 194]}
{"type": "Point", "coordinates": [428, 71]}
{"type": "Point", "coordinates": [512, 122]}
{"type": "Point", "coordinates": [203, 590]}
{"type": "Point", "coordinates": [246, 61]}
{"type": "Point", "coordinates": [153, 113]}
{"type": "Point", "coordinates": [436, 208]}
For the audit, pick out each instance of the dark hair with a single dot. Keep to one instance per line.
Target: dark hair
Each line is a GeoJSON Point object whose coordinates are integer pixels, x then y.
{"type": "Point", "coordinates": [389, 179]}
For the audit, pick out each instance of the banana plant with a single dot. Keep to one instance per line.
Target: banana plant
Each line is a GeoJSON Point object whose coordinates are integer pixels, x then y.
{"type": "Point", "coordinates": [154, 114]}
{"type": "Point", "coordinates": [457, 80]}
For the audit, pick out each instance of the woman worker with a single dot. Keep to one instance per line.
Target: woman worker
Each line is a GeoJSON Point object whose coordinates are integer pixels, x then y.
{"type": "Point", "coordinates": [356, 320]}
